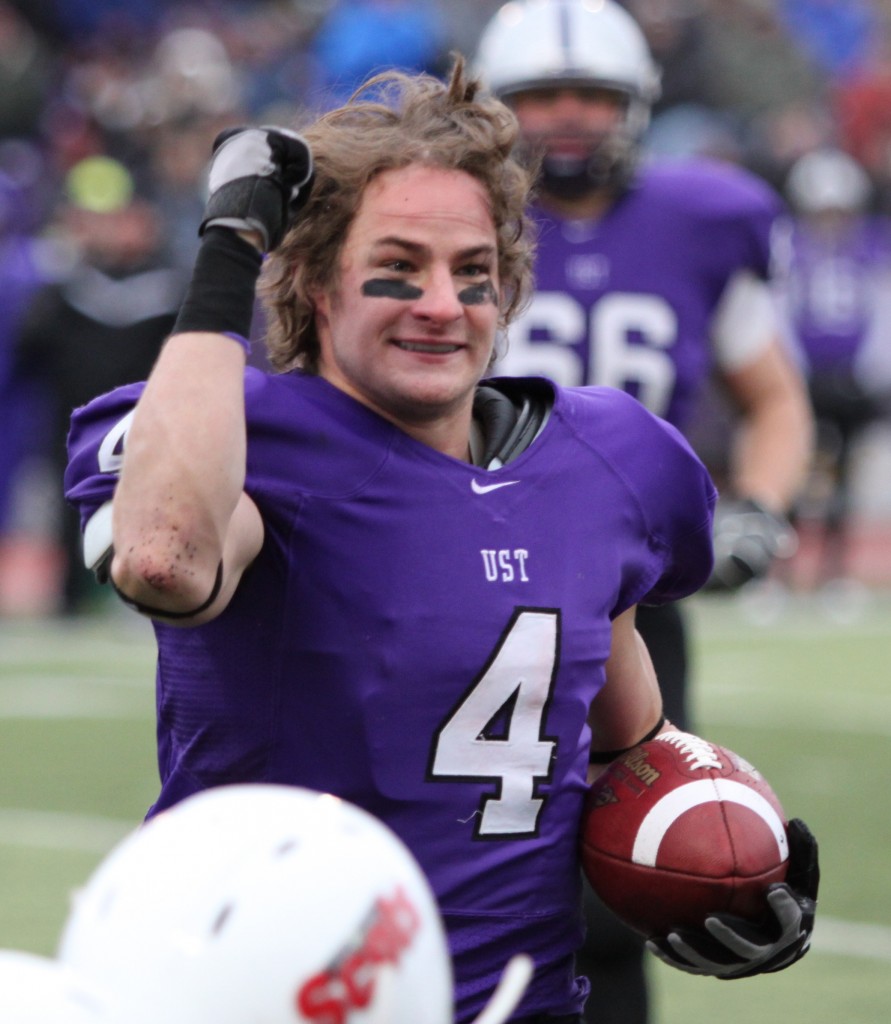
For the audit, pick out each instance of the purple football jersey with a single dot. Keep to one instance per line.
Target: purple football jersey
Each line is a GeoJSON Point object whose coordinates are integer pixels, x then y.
{"type": "Point", "coordinates": [424, 638]}
{"type": "Point", "coordinates": [627, 300]}
{"type": "Point", "coordinates": [837, 291]}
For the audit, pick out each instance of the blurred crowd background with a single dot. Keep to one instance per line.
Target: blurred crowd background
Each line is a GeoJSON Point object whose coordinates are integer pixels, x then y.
{"type": "Point", "coordinates": [108, 109]}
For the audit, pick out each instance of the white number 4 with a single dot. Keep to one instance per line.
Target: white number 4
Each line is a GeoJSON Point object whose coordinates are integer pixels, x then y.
{"type": "Point", "coordinates": [111, 451]}
{"type": "Point", "coordinates": [496, 732]}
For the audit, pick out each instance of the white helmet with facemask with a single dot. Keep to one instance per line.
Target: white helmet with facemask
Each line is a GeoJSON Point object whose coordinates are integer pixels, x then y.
{"type": "Point", "coordinates": [588, 44]}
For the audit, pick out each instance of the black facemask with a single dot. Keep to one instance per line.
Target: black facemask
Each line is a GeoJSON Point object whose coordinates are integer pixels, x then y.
{"type": "Point", "coordinates": [609, 163]}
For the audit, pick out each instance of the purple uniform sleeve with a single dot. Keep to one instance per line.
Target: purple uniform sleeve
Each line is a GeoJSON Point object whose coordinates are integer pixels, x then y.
{"type": "Point", "coordinates": [95, 447]}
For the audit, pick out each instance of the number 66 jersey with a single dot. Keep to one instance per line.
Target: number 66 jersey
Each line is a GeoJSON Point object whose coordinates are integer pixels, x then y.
{"type": "Point", "coordinates": [669, 284]}
{"type": "Point", "coordinates": [424, 638]}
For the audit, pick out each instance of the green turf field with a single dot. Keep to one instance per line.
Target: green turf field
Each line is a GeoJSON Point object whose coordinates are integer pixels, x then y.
{"type": "Point", "coordinates": [805, 699]}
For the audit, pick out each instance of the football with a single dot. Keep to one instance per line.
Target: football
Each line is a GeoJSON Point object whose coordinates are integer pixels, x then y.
{"type": "Point", "coordinates": [677, 829]}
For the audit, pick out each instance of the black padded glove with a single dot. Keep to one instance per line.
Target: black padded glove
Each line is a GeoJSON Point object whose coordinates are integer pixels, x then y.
{"type": "Point", "coordinates": [747, 538]}
{"type": "Point", "coordinates": [731, 947]}
{"type": "Point", "coordinates": [259, 177]}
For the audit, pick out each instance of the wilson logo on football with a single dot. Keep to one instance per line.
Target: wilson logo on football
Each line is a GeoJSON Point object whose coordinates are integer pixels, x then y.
{"type": "Point", "coordinates": [349, 981]}
{"type": "Point", "coordinates": [638, 764]}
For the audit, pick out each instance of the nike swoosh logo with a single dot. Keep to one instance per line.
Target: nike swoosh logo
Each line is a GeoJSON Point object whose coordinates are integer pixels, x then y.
{"type": "Point", "coordinates": [479, 488]}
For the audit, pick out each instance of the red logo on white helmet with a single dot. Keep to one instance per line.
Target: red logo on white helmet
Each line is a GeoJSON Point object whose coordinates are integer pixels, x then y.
{"type": "Point", "coordinates": [348, 983]}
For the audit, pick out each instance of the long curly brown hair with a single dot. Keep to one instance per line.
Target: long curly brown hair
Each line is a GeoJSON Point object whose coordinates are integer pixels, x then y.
{"type": "Point", "coordinates": [392, 121]}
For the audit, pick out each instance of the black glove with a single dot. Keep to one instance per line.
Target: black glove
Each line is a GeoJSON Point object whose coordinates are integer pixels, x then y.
{"type": "Point", "coordinates": [259, 177]}
{"type": "Point", "coordinates": [731, 947]}
{"type": "Point", "coordinates": [747, 538]}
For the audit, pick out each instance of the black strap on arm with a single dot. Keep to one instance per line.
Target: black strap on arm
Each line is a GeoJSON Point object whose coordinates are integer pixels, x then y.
{"type": "Point", "coordinates": [605, 756]}
{"type": "Point", "coordinates": [160, 613]}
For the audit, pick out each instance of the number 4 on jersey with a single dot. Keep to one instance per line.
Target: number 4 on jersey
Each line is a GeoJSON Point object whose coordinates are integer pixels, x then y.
{"type": "Point", "coordinates": [497, 731]}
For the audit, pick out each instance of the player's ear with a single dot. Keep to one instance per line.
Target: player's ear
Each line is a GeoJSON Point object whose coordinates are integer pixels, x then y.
{"type": "Point", "coordinates": [320, 303]}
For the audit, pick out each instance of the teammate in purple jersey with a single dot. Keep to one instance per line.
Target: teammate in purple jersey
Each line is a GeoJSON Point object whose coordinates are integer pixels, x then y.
{"type": "Point", "coordinates": [401, 585]}
{"type": "Point", "coordinates": [839, 266]}
{"type": "Point", "coordinates": [652, 279]}
{"type": "Point", "coordinates": [836, 299]}
{"type": "Point", "coordinates": [627, 298]}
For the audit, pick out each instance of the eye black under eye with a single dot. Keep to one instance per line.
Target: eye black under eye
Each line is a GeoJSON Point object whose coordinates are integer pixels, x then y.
{"type": "Point", "coordinates": [388, 288]}
{"type": "Point", "coordinates": [478, 294]}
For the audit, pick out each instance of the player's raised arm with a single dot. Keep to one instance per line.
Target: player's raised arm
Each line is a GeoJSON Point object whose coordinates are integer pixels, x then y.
{"type": "Point", "coordinates": [183, 528]}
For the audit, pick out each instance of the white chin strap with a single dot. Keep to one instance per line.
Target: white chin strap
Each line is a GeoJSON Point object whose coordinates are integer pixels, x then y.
{"type": "Point", "coordinates": [509, 991]}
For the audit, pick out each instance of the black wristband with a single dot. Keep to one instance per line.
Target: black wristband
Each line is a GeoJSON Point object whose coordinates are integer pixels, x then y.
{"type": "Point", "coordinates": [605, 756]}
{"type": "Point", "coordinates": [220, 297]}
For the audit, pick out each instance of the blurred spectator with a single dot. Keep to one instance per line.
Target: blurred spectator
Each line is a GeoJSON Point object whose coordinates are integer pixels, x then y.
{"type": "Point", "coordinates": [361, 36]}
{"type": "Point", "coordinates": [835, 34]}
{"type": "Point", "coordinates": [190, 72]}
{"type": "Point", "coordinates": [690, 130]}
{"type": "Point", "coordinates": [27, 563]}
{"type": "Point", "coordinates": [675, 32]}
{"type": "Point", "coordinates": [736, 84]}
{"type": "Point", "coordinates": [191, 90]}
{"type": "Point", "coordinates": [26, 74]}
{"type": "Point", "coordinates": [783, 134]}
{"type": "Point", "coordinates": [464, 21]}
{"type": "Point", "coordinates": [178, 163]}
{"type": "Point", "coordinates": [754, 66]}
{"type": "Point", "coordinates": [684, 124]}
{"type": "Point", "coordinates": [102, 323]}
{"type": "Point", "coordinates": [269, 43]}
{"type": "Point", "coordinates": [837, 299]}
{"type": "Point", "coordinates": [863, 112]}
{"type": "Point", "coordinates": [76, 21]}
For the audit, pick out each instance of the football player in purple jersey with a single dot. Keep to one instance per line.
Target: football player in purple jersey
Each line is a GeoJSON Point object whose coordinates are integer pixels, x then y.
{"type": "Point", "coordinates": [836, 298]}
{"type": "Point", "coordinates": [651, 278]}
{"type": "Point", "coordinates": [374, 573]}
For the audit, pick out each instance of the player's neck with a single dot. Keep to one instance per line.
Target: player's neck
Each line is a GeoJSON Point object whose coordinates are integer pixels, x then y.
{"type": "Point", "coordinates": [448, 433]}
{"type": "Point", "coordinates": [590, 206]}
{"type": "Point", "coordinates": [445, 438]}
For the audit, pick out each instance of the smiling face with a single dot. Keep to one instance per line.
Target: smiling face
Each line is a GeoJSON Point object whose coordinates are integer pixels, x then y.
{"type": "Point", "coordinates": [409, 326]}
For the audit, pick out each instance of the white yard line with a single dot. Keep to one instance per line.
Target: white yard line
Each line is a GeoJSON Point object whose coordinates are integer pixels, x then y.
{"type": "Point", "coordinates": [110, 675]}
{"type": "Point", "coordinates": [56, 697]}
{"type": "Point", "coordinates": [851, 938]}
{"type": "Point", "coordinates": [856, 714]}
{"type": "Point", "coordinates": [57, 830]}
{"type": "Point", "coordinates": [72, 706]}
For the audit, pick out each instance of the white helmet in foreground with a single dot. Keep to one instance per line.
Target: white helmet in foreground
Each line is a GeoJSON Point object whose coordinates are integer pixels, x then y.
{"type": "Point", "coordinates": [552, 44]}
{"type": "Point", "coordinates": [266, 904]}
{"type": "Point", "coordinates": [262, 904]}
{"type": "Point", "coordinates": [38, 990]}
